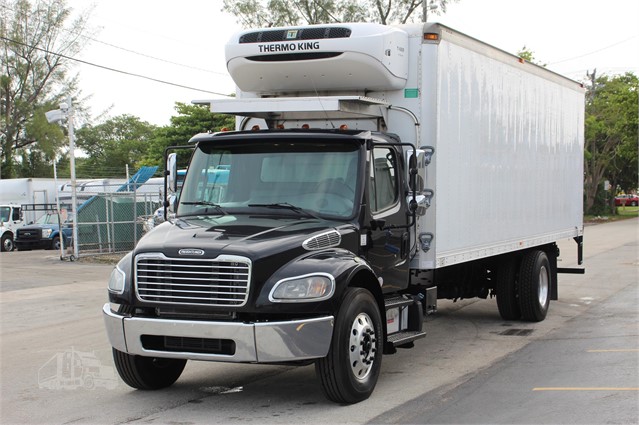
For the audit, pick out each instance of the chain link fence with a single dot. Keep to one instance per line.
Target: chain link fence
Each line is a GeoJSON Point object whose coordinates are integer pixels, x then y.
{"type": "Point", "coordinates": [113, 221]}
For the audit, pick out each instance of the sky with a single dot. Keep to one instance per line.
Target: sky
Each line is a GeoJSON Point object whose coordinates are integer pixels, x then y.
{"type": "Point", "coordinates": [184, 45]}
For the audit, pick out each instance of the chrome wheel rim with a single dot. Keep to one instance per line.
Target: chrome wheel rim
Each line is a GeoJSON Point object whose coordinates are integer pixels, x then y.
{"type": "Point", "coordinates": [543, 287]}
{"type": "Point", "coordinates": [362, 346]}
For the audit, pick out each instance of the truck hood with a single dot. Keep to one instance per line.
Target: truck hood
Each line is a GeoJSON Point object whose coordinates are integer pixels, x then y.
{"type": "Point", "coordinates": [245, 235]}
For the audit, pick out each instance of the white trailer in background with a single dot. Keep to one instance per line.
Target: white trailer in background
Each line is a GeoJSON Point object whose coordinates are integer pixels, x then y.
{"type": "Point", "coordinates": [375, 170]}
{"type": "Point", "coordinates": [28, 191]}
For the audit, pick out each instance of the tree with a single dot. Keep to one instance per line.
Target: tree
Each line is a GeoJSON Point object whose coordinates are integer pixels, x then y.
{"type": "Point", "coordinates": [35, 43]}
{"type": "Point", "coordinates": [266, 13]}
{"type": "Point", "coordinates": [111, 146]}
{"type": "Point", "coordinates": [529, 55]}
{"type": "Point", "coordinates": [36, 161]}
{"type": "Point", "coordinates": [189, 121]}
{"type": "Point", "coordinates": [610, 136]}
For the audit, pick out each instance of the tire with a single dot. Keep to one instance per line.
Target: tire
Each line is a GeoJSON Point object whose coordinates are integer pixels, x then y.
{"type": "Point", "coordinates": [534, 286]}
{"type": "Point", "coordinates": [507, 289]}
{"type": "Point", "coordinates": [55, 243]}
{"type": "Point", "coordinates": [349, 372]}
{"type": "Point", "coordinates": [633, 204]}
{"type": "Point", "coordinates": [88, 383]}
{"type": "Point", "coordinates": [147, 373]}
{"type": "Point", "coordinates": [7, 242]}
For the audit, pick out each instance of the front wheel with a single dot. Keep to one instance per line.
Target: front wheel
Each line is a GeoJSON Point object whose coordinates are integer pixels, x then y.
{"type": "Point", "coordinates": [7, 242]}
{"type": "Point", "coordinates": [55, 243]}
{"type": "Point", "coordinates": [349, 372]}
{"type": "Point", "coordinates": [534, 286]}
{"type": "Point", "coordinates": [147, 373]}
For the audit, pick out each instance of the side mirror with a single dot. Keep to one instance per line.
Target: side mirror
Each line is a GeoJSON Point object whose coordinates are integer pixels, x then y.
{"type": "Point", "coordinates": [171, 204]}
{"type": "Point", "coordinates": [171, 172]}
{"type": "Point", "coordinates": [414, 161]}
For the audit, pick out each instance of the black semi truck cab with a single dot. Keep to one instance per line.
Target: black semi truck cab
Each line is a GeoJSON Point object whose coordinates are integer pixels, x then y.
{"type": "Point", "coordinates": [283, 243]}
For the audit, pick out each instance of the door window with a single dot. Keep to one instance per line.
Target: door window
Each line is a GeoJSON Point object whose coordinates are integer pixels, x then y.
{"type": "Point", "coordinates": [382, 189]}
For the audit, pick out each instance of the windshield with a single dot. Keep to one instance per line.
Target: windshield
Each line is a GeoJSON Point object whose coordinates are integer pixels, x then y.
{"type": "Point", "coordinates": [299, 177]}
{"type": "Point", "coordinates": [47, 219]}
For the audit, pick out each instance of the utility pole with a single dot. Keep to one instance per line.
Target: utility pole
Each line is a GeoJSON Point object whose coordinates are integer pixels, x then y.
{"type": "Point", "coordinates": [426, 7]}
{"type": "Point", "coordinates": [74, 198]}
{"type": "Point", "coordinates": [58, 115]}
{"type": "Point", "coordinates": [57, 203]}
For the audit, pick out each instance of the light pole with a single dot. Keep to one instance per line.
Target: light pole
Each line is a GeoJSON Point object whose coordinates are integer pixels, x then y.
{"type": "Point", "coordinates": [57, 115]}
{"type": "Point", "coordinates": [425, 8]}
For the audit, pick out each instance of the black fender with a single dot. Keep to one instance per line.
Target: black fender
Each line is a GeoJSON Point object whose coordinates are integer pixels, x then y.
{"type": "Point", "coordinates": [346, 268]}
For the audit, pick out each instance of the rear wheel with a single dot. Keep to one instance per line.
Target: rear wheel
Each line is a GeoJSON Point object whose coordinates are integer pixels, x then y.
{"type": "Point", "coordinates": [534, 286]}
{"type": "Point", "coordinates": [506, 287]}
{"type": "Point", "coordinates": [147, 373]}
{"type": "Point", "coordinates": [350, 370]}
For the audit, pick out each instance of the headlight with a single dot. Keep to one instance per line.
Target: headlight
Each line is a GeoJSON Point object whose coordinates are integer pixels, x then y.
{"type": "Point", "coordinates": [46, 232]}
{"type": "Point", "coordinates": [307, 288]}
{"type": "Point", "coordinates": [116, 281]}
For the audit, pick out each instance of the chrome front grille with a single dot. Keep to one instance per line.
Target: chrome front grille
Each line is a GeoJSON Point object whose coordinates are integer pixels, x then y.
{"type": "Point", "coordinates": [219, 282]}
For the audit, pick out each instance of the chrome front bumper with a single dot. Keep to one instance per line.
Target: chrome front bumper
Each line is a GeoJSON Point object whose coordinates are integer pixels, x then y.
{"type": "Point", "coordinates": [266, 342]}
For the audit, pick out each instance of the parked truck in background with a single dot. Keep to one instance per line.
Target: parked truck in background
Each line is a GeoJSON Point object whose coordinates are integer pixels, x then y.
{"type": "Point", "coordinates": [373, 171]}
{"type": "Point", "coordinates": [49, 231]}
{"type": "Point", "coordinates": [10, 220]}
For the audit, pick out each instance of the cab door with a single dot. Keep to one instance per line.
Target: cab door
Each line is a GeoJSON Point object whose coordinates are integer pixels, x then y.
{"type": "Point", "coordinates": [387, 246]}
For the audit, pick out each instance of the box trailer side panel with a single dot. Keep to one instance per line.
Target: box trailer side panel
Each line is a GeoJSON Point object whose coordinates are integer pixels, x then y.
{"type": "Point", "coordinates": [509, 154]}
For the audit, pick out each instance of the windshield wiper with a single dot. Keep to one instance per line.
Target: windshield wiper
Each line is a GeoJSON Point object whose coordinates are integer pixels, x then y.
{"type": "Point", "coordinates": [287, 206]}
{"type": "Point", "coordinates": [207, 204]}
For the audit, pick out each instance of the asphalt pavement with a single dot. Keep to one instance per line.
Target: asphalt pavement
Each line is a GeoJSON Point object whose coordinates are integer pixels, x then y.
{"type": "Point", "coordinates": [577, 366]}
{"type": "Point", "coordinates": [586, 372]}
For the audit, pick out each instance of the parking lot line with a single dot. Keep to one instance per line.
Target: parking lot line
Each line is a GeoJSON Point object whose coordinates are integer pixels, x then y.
{"type": "Point", "coordinates": [585, 389]}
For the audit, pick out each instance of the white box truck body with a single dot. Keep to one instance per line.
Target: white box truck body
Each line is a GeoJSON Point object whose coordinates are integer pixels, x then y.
{"type": "Point", "coordinates": [506, 136]}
